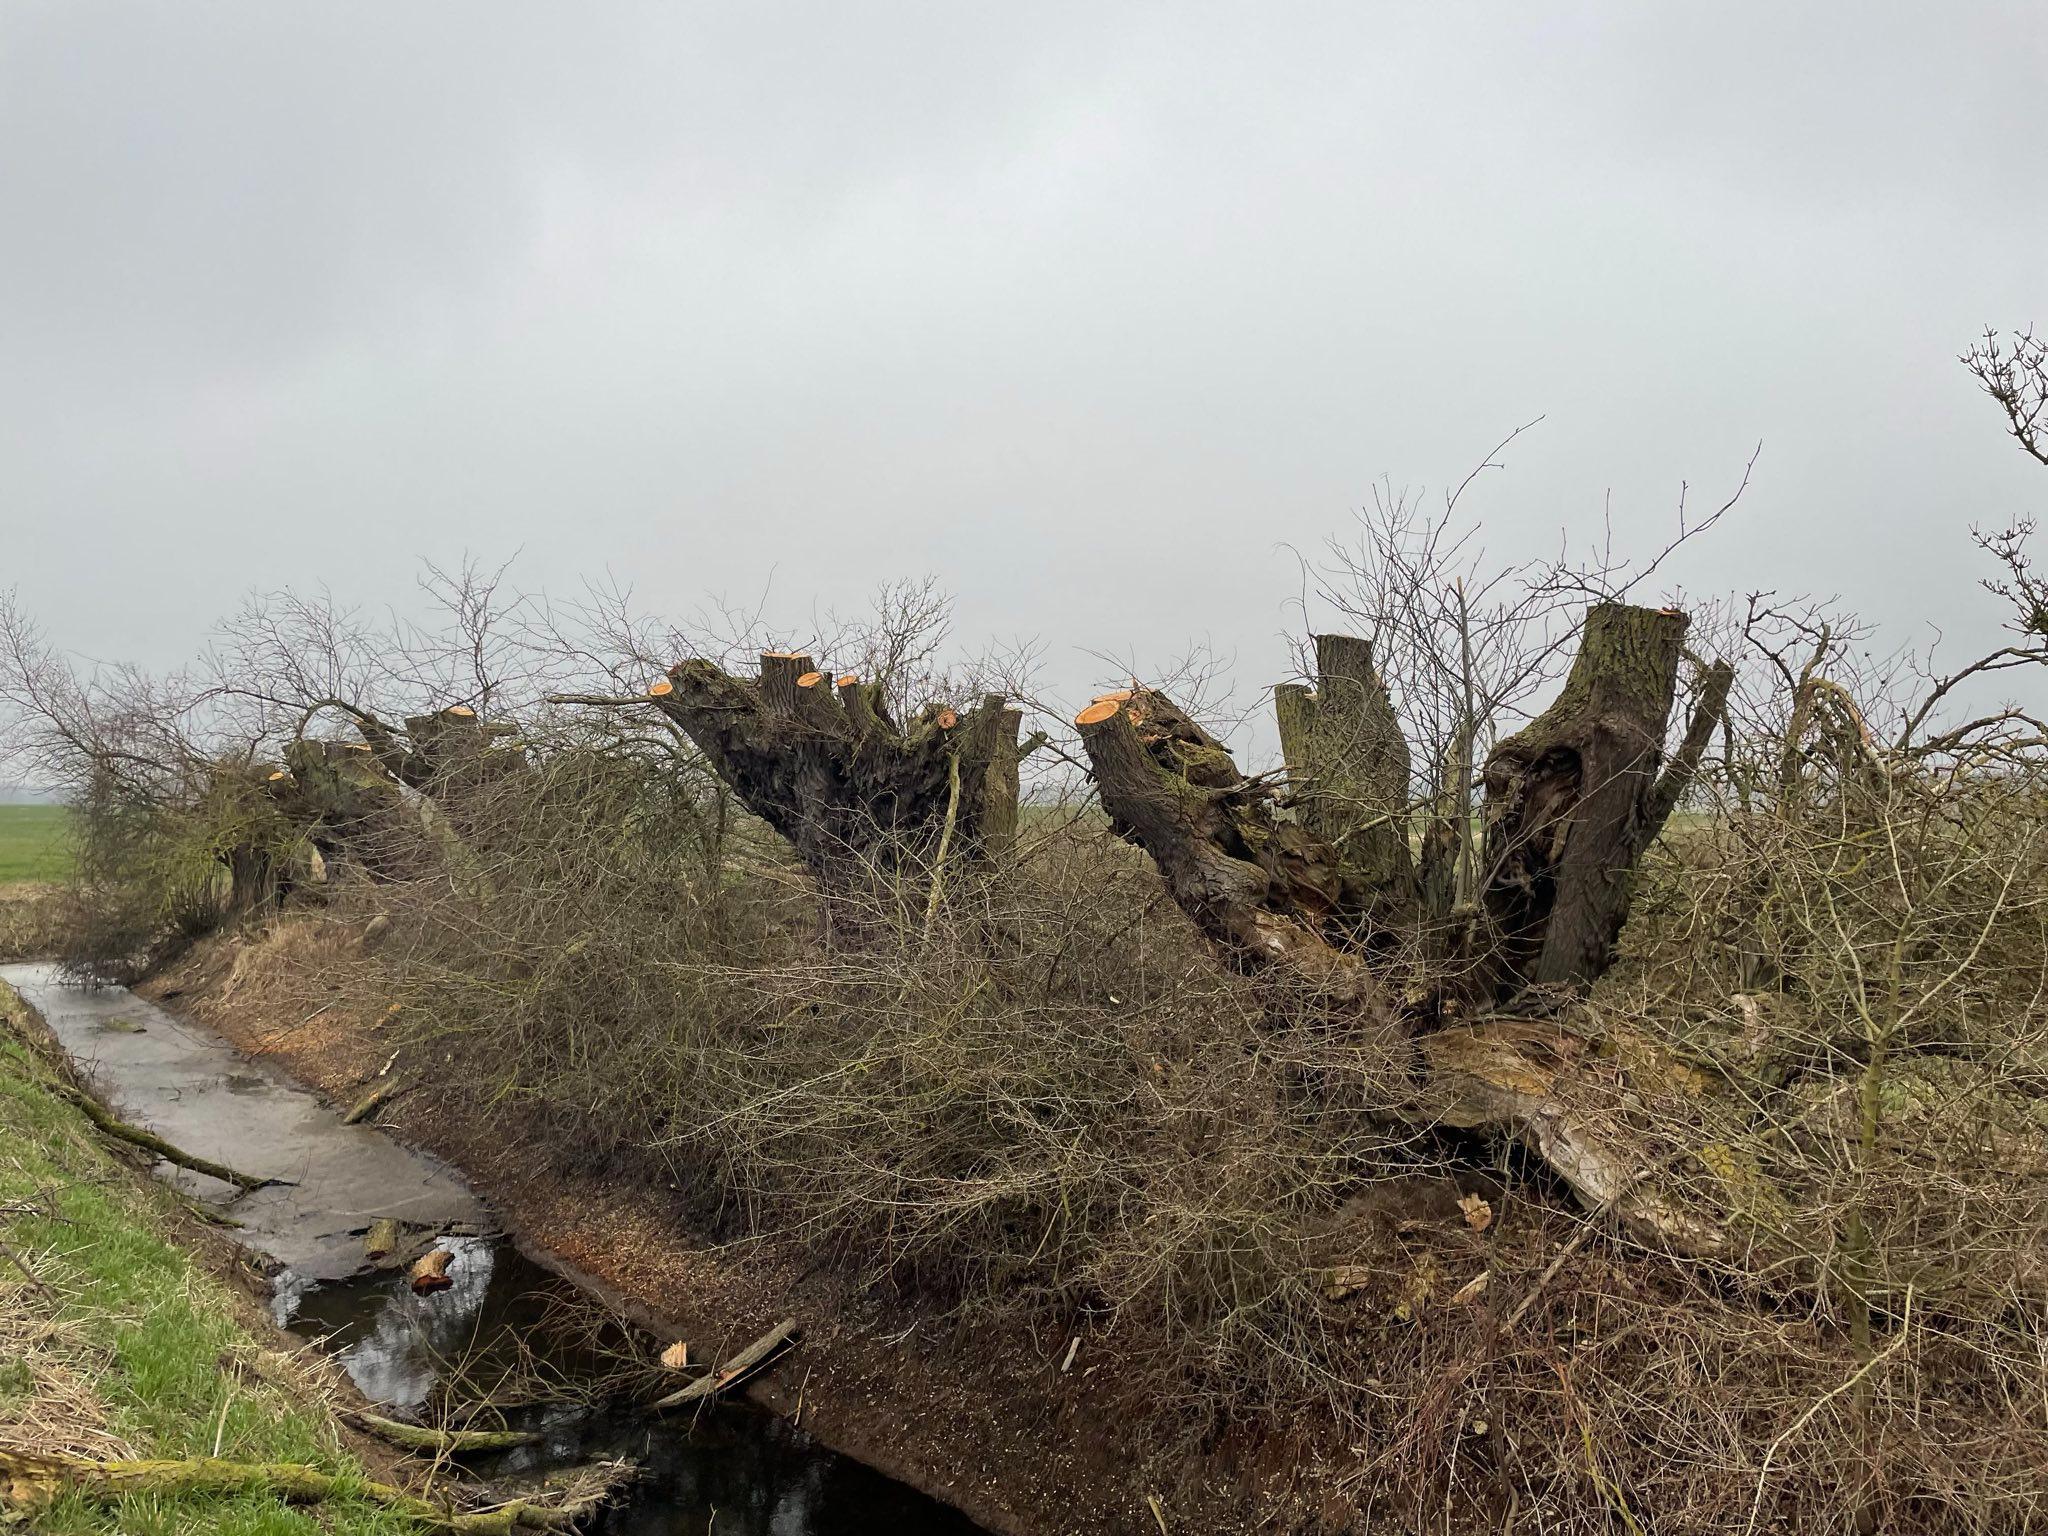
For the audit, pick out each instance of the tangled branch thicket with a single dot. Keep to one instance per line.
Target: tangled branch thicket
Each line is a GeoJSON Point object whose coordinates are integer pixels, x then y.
{"type": "Point", "coordinates": [1739, 1226]}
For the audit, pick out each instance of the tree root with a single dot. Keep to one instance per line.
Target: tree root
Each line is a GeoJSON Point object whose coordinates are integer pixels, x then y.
{"type": "Point", "coordinates": [29, 1479]}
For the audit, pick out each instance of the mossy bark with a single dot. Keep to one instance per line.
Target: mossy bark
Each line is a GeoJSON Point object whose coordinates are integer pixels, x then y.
{"type": "Point", "coordinates": [345, 804]}
{"type": "Point", "coordinates": [1349, 763]}
{"type": "Point", "coordinates": [30, 1480]}
{"type": "Point", "coordinates": [1266, 892]}
{"type": "Point", "coordinates": [1570, 801]}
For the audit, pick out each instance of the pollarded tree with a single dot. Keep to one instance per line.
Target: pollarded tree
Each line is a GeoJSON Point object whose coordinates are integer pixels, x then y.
{"type": "Point", "coordinates": [1323, 901]}
{"type": "Point", "coordinates": [1571, 802]}
{"type": "Point", "coordinates": [823, 762]}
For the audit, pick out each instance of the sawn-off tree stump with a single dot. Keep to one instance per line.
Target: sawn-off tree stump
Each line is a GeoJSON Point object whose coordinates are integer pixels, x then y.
{"type": "Point", "coordinates": [1571, 801]}
{"type": "Point", "coordinates": [823, 763]}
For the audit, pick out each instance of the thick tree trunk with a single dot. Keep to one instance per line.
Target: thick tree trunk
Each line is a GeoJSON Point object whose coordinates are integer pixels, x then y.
{"type": "Point", "coordinates": [1265, 892]}
{"type": "Point", "coordinates": [254, 882]}
{"type": "Point", "coordinates": [826, 766]}
{"type": "Point", "coordinates": [1349, 764]}
{"type": "Point", "coordinates": [347, 807]}
{"type": "Point", "coordinates": [457, 762]}
{"type": "Point", "coordinates": [1570, 802]}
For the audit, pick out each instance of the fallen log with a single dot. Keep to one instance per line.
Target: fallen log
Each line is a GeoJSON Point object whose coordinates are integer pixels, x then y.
{"type": "Point", "coordinates": [736, 1370]}
{"type": "Point", "coordinates": [430, 1273]}
{"type": "Point", "coordinates": [368, 1105]}
{"type": "Point", "coordinates": [30, 1480]}
{"type": "Point", "coordinates": [120, 1130]}
{"type": "Point", "coordinates": [440, 1442]}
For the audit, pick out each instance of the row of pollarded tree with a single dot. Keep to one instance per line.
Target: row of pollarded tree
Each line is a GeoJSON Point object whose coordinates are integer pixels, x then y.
{"type": "Point", "coordinates": [1310, 884]}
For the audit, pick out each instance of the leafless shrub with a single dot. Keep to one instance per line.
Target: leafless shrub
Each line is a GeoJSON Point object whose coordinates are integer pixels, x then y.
{"type": "Point", "coordinates": [1022, 1089]}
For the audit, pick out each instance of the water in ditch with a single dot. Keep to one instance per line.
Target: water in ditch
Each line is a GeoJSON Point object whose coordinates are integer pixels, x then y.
{"type": "Point", "coordinates": [505, 1328]}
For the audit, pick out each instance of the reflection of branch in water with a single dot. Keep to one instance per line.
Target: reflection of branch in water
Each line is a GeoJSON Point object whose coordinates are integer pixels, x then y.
{"type": "Point", "coordinates": [399, 1360]}
{"type": "Point", "coordinates": [501, 1335]}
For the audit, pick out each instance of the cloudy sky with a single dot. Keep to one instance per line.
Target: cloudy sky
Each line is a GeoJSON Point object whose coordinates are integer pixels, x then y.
{"type": "Point", "coordinates": [1089, 310]}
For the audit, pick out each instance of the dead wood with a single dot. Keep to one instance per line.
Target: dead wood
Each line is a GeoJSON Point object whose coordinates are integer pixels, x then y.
{"type": "Point", "coordinates": [438, 1442]}
{"type": "Point", "coordinates": [736, 1370]}
{"type": "Point", "coordinates": [827, 766]}
{"type": "Point", "coordinates": [430, 1273]}
{"type": "Point", "coordinates": [383, 1239]}
{"type": "Point", "coordinates": [368, 1105]}
{"type": "Point", "coordinates": [32, 1480]}
{"type": "Point", "coordinates": [134, 1135]}
{"type": "Point", "coordinates": [1306, 902]}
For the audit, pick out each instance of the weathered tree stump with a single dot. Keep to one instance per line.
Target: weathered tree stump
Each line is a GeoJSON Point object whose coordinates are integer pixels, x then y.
{"type": "Point", "coordinates": [1571, 802]}
{"type": "Point", "coordinates": [824, 764]}
{"type": "Point", "coordinates": [1349, 764]}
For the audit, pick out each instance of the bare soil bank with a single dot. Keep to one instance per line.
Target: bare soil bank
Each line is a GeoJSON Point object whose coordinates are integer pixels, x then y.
{"type": "Point", "coordinates": [990, 1423]}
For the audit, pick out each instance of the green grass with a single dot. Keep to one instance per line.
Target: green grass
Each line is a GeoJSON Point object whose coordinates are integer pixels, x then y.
{"type": "Point", "coordinates": [146, 1326]}
{"type": "Point", "coordinates": [35, 843]}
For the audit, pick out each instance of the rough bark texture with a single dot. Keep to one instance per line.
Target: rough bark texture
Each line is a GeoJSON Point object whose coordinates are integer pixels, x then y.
{"type": "Point", "coordinates": [1569, 801]}
{"type": "Point", "coordinates": [1349, 765]}
{"type": "Point", "coordinates": [254, 881]}
{"type": "Point", "coordinates": [458, 763]}
{"type": "Point", "coordinates": [829, 769]}
{"type": "Point", "coordinates": [347, 807]}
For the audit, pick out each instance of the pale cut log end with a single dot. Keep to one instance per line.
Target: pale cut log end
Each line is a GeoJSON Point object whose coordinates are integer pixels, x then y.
{"type": "Point", "coordinates": [948, 719]}
{"type": "Point", "coordinates": [846, 679]}
{"type": "Point", "coordinates": [460, 712]}
{"type": "Point", "coordinates": [810, 680]}
{"type": "Point", "coordinates": [676, 1357]}
{"type": "Point", "coordinates": [1101, 710]}
{"type": "Point", "coordinates": [430, 1274]}
{"type": "Point", "coordinates": [661, 689]}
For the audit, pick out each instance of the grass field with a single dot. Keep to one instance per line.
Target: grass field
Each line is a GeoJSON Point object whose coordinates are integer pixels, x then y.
{"type": "Point", "coordinates": [35, 843]}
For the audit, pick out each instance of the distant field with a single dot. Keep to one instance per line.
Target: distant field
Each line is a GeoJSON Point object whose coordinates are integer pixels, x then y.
{"type": "Point", "coordinates": [35, 843]}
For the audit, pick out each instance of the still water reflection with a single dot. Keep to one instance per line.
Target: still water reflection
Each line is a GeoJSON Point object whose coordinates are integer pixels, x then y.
{"type": "Point", "coordinates": [731, 1471]}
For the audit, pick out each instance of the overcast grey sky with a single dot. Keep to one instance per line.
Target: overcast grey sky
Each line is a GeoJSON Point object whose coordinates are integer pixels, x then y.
{"type": "Point", "coordinates": [1085, 309]}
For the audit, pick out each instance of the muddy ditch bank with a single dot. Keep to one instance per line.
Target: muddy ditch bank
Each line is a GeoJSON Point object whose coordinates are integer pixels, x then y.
{"type": "Point", "coordinates": [988, 1422]}
{"type": "Point", "coordinates": [504, 1325]}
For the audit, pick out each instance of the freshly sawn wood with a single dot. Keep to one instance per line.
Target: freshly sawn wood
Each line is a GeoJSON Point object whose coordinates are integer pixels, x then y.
{"type": "Point", "coordinates": [737, 1369]}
